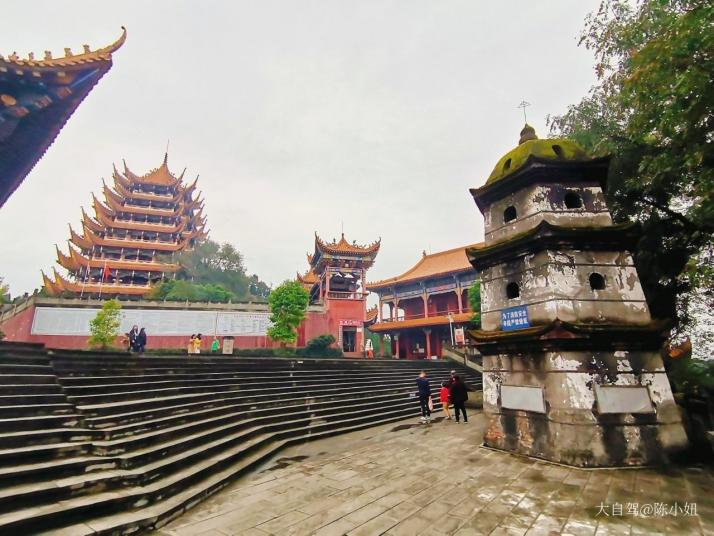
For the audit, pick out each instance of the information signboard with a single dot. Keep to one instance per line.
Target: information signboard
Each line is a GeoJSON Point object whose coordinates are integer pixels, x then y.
{"type": "Point", "coordinates": [515, 318]}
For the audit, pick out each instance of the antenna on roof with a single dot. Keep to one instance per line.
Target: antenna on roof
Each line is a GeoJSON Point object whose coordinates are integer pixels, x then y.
{"type": "Point", "coordinates": [523, 104]}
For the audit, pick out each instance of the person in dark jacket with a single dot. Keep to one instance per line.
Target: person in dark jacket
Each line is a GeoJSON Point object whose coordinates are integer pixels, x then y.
{"type": "Point", "coordinates": [131, 338]}
{"type": "Point", "coordinates": [424, 395]}
{"type": "Point", "coordinates": [141, 341]}
{"type": "Point", "coordinates": [458, 394]}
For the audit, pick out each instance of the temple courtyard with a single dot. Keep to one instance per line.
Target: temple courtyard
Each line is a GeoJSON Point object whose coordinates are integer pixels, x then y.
{"type": "Point", "coordinates": [407, 478]}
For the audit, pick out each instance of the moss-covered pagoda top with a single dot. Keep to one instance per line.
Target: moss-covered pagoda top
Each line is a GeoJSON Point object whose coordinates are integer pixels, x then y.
{"type": "Point", "coordinates": [530, 146]}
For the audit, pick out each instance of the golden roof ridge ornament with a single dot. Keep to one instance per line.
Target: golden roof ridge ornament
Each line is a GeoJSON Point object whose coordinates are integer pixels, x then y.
{"type": "Point", "coordinates": [87, 55]}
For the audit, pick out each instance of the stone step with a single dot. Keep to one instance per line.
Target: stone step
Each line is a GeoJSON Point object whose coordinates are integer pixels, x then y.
{"type": "Point", "coordinates": [11, 368]}
{"type": "Point", "coordinates": [131, 406]}
{"type": "Point", "coordinates": [39, 453]}
{"type": "Point", "coordinates": [12, 379]}
{"type": "Point", "coordinates": [227, 467]}
{"type": "Point", "coordinates": [79, 396]}
{"type": "Point", "coordinates": [223, 452]}
{"type": "Point", "coordinates": [31, 399]}
{"type": "Point", "coordinates": [36, 410]}
{"type": "Point", "coordinates": [136, 420]}
{"type": "Point", "coordinates": [142, 466]}
{"type": "Point", "coordinates": [46, 436]}
{"type": "Point", "coordinates": [54, 469]}
{"type": "Point", "coordinates": [173, 440]}
{"type": "Point", "coordinates": [31, 389]}
{"type": "Point", "coordinates": [27, 357]}
{"type": "Point", "coordinates": [243, 377]}
{"type": "Point", "coordinates": [37, 422]}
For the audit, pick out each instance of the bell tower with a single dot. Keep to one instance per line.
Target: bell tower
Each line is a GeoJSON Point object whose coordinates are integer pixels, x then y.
{"type": "Point", "coordinates": [572, 370]}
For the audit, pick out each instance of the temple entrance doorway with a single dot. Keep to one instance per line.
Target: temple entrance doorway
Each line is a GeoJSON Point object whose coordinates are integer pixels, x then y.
{"type": "Point", "coordinates": [349, 339]}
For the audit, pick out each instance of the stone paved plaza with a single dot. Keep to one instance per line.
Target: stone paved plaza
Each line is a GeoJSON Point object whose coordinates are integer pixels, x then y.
{"type": "Point", "coordinates": [405, 479]}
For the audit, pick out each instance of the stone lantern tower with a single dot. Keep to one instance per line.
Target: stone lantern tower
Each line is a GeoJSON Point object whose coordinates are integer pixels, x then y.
{"type": "Point", "coordinates": [572, 369]}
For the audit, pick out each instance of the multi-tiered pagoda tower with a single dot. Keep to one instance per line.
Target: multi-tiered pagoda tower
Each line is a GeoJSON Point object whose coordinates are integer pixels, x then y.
{"type": "Point", "coordinates": [131, 242]}
{"type": "Point", "coordinates": [572, 369]}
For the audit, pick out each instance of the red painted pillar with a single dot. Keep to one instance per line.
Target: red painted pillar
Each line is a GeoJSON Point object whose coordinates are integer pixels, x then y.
{"type": "Point", "coordinates": [427, 336]}
{"type": "Point", "coordinates": [426, 304]}
{"type": "Point", "coordinates": [458, 297]}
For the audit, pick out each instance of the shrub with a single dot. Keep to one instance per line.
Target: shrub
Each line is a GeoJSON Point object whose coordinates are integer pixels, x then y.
{"type": "Point", "coordinates": [104, 327]}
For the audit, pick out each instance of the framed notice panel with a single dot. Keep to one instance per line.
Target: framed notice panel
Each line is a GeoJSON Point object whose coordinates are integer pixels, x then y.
{"type": "Point", "coordinates": [623, 399]}
{"type": "Point", "coordinates": [523, 397]}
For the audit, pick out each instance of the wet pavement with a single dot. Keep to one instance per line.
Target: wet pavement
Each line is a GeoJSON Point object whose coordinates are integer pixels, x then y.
{"type": "Point", "coordinates": [406, 479]}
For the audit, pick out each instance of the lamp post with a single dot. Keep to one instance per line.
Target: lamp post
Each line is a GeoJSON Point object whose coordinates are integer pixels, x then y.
{"type": "Point", "coordinates": [451, 328]}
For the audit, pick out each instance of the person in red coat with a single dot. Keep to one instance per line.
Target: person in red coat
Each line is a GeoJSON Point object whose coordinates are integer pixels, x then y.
{"type": "Point", "coordinates": [444, 398]}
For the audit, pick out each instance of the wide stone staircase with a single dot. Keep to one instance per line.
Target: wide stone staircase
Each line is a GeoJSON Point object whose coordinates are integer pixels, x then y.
{"type": "Point", "coordinates": [111, 444]}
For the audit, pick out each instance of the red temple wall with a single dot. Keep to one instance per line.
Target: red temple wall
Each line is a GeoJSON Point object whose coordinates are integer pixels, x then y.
{"type": "Point", "coordinates": [19, 328]}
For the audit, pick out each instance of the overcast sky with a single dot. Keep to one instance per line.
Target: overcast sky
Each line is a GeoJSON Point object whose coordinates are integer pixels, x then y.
{"type": "Point", "coordinates": [299, 116]}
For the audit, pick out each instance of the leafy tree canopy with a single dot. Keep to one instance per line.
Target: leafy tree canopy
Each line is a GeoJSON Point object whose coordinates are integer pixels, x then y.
{"type": "Point", "coordinates": [288, 303]}
{"type": "Point", "coordinates": [4, 292]}
{"type": "Point", "coordinates": [475, 302]}
{"type": "Point", "coordinates": [104, 328]}
{"type": "Point", "coordinates": [211, 272]}
{"type": "Point", "coordinates": [182, 290]}
{"type": "Point", "coordinates": [653, 110]}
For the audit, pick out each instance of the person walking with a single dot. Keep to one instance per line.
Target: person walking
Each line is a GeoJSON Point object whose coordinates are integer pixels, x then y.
{"type": "Point", "coordinates": [189, 347]}
{"type": "Point", "coordinates": [424, 396]}
{"type": "Point", "coordinates": [459, 395]}
{"type": "Point", "coordinates": [444, 398]}
{"type": "Point", "coordinates": [141, 341]}
{"type": "Point", "coordinates": [131, 337]}
{"type": "Point", "coordinates": [215, 345]}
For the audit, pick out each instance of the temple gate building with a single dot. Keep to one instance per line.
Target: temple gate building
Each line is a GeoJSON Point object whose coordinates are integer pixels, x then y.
{"type": "Point", "coordinates": [336, 280]}
{"type": "Point", "coordinates": [425, 304]}
{"type": "Point", "coordinates": [37, 97]}
{"type": "Point", "coordinates": [131, 242]}
{"type": "Point", "coordinates": [572, 369]}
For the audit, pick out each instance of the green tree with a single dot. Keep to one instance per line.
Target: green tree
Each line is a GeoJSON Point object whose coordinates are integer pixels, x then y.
{"type": "Point", "coordinates": [288, 303]}
{"type": "Point", "coordinates": [653, 111]}
{"type": "Point", "coordinates": [4, 292]}
{"type": "Point", "coordinates": [104, 327]}
{"type": "Point", "coordinates": [182, 290]}
{"type": "Point", "coordinates": [475, 302]}
{"type": "Point", "coordinates": [211, 263]}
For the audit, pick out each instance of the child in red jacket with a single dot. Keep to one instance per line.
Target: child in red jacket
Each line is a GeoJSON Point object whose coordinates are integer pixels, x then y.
{"type": "Point", "coordinates": [444, 398]}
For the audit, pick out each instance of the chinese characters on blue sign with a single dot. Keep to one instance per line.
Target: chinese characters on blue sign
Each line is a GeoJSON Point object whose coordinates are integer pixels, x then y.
{"type": "Point", "coordinates": [515, 318]}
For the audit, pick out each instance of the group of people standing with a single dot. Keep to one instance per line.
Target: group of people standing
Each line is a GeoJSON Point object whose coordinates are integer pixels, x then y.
{"type": "Point", "coordinates": [136, 339]}
{"type": "Point", "coordinates": [194, 344]}
{"type": "Point", "coordinates": [453, 391]}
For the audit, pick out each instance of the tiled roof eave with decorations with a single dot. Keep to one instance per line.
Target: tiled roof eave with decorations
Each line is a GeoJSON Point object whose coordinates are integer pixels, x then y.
{"type": "Point", "coordinates": [575, 336]}
{"type": "Point", "coordinates": [46, 93]}
{"type": "Point", "coordinates": [440, 320]}
{"type": "Point", "coordinates": [548, 236]}
{"type": "Point", "coordinates": [343, 249]}
{"type": "Point", "coordinates": [418, 273]}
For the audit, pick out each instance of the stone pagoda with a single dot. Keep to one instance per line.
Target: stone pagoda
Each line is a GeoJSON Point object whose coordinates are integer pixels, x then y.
{"type": "Point", "coordinates": [131, 242]}
{"type": "Point", "coordinates": [572, 369]}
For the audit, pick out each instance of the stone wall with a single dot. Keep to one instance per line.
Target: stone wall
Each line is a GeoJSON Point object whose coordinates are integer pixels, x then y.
{"type": "Point", "coordinates": [540, 202]}
{"type": "Point", "coordinates": [573, 423]}
{"type": "Point", "coordinates": [555, 285]}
